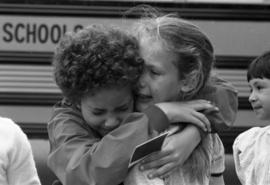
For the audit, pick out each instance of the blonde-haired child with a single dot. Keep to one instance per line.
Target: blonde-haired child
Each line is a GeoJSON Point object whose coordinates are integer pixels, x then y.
{"type": "Point", "coordinates": [178, 59]}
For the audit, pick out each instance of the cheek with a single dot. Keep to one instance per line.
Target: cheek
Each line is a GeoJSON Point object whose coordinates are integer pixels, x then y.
{"type": "Point", "coordinates": [167, 91]}
{"type": "Point", "coordinates": [92, 120]}
{"type": "Point", "coordinates": [267, 106]}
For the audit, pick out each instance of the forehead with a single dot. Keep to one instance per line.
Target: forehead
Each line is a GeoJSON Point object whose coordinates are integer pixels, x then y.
{"type": "Point", "coordinates": [154, 52]}
{"type": "Point", "coordinates": [255, 81]}
{"type": "Point", "coordinates": [109, 96]}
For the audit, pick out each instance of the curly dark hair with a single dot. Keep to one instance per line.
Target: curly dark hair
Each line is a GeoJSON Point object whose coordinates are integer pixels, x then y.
{"type": "Point", "coordinates": [96, 57]}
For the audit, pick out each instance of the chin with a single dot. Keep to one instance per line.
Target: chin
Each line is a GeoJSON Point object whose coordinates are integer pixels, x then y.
{"type": "Point", "coordinates": [262, 116]}
{"type": "Point", "coordinates": [141, 106]}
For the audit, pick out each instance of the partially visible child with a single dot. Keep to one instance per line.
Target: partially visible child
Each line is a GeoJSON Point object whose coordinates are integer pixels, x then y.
{"type": "Point", "coordinates": [17, 166]}
{"type": "Point", "coordinates": [251, 149]}
{"type": "Point", "coordinates": [93, 131]}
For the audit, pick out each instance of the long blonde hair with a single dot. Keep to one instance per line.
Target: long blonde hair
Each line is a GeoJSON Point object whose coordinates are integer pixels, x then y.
{"type": "Point", "coordinates": [196, 54]}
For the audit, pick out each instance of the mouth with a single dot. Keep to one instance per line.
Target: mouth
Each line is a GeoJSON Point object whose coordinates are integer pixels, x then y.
{"type": "Point", "coordinates": [255, 108]}
{"type": "Point", "coordinates": [144, 98]}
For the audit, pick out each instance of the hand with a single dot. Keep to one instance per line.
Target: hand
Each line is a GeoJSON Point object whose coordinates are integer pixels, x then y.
{"type": "Point", "coordinates": [189, 111]}
{"type": "Point", "coordinates": [175, 151]}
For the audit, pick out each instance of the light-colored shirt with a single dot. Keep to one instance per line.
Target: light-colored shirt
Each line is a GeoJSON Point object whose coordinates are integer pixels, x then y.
{"type": "Point", "coordinates": [217, 166]}
{"type": "Point", "coordinates": [17, 165]}
{"type": "Point", "coordinates": [251, 151]}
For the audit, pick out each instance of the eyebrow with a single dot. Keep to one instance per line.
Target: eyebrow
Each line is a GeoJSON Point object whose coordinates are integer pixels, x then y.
{"type": "Point", "coordinates": [258, 81]}
{"type": "Point", "coordinates": [120, 106]}
{"type": "Point", "coordinates": [125, 103]}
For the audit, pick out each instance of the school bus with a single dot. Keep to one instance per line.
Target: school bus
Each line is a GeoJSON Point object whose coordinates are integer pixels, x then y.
{"type": "Point", "coordinates": [30, 29]}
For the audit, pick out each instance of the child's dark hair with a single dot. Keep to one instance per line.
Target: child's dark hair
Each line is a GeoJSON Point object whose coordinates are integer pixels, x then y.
{"type": "Point", "coordinates": [96, 57]}
{"type": "Point", "coordinates": [259, 67]}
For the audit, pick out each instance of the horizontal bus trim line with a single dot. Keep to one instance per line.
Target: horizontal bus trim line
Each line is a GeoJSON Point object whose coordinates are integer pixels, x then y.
{"type": "Point", "coordinates": [35, 130]}
{"type": "Point", "coordinates": [29, 99]}
{"type": "Point", "coordinates": [39, 130]}
{"type": "Point", "coordinates": [45, 58]}
{"type": "Point", "coordinates": [44, 99]}
{"type": "Point", "coordinates": [23, 57]}
{"type": "Point", "coordinates": [199, 11]}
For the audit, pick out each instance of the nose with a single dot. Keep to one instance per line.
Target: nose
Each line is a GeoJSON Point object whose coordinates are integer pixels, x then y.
{"type": "Point", "coordinates": [142, 81]}
{"type": "Point", "coordinates": [112, 122]}
{"type": "Point", "coordinates": [252, 97]}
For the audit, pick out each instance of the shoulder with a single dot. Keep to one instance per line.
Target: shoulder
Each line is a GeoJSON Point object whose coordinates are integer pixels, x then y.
{"type": "Point", "coordinates": [217, 155]}
{"type": "Point", "coordinates": [217, 88]}
{"type": "Point", "coordinates": [246, 138]}
{"type": "Point", "coordinates": [66, 121]}
{"type": "Point", "coordinates": [12, 137]}
{"type": "Point", "coordinates": [65, 114]}
{"type": "Point", "coordinates": [9, 129]}
{"type": "Point", "coordinates": [221, 84]}
{"type": "Point", "coordinates": [250, 138]}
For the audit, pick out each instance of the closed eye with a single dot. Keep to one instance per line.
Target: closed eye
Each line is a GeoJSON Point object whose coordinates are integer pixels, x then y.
{"type": "Point", "coordinates": [98, 112]}
{"type": "Point", "coordinates": [123, 108]}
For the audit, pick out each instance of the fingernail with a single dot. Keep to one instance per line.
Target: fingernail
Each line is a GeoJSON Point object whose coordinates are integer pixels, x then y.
{"type": "Point", "coordinates": [150, 176]}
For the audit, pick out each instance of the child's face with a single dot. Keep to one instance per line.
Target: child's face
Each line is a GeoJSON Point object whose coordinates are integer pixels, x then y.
{"type": "Point", "coordinates": [260, 97]}
{"type": "Point", "coordinates": [160, 80]}
{"type": "Point", "coordinates": [105, 110]}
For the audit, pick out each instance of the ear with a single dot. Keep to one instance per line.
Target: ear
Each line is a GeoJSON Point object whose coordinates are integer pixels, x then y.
{"type": "Point", "coordinates": [190, 82]}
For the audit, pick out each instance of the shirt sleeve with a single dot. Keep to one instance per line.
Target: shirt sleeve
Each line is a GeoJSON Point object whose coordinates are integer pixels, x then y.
{"type": "Point", "coordinates": [21, 169]}
{"type": "Point", "coordinates": [251, 156]}
{"type": "Point", "coordinates": [218, 156]}
{"type": "Point", "coordinates": [80, 156]}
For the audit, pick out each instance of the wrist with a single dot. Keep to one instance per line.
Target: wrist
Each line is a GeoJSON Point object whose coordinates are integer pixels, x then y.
{"type": "Point", "coordinates": [197, 134]}
{"type": "Point", "coordinates": [165, 109]}
{"type": "Point", "coordinates": [157, 118]}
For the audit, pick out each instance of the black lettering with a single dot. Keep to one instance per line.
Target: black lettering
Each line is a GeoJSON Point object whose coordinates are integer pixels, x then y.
{"type": "Point", "coordinates": [77, 28]}
{"type": "Point", "coordinates": [6, 28]}
{"type": "Point", "coordinates": [64, 29]}
{"type": "Point", "coordinates": [17, 33]}
{"type": "Point", "coordinates": [55, 33]}
{"type": "Point", "coordinates": [31, 33]}
{"type": "Point", "coordinates": [43, 33]}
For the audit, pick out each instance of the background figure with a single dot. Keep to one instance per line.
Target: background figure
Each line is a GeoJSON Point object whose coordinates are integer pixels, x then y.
{"type": "Point", "coordinates": [178, 62]}
{"type": "Point", "coordinates": [17, 166]}
{"type": "Point", "coordinates": [251, 149]}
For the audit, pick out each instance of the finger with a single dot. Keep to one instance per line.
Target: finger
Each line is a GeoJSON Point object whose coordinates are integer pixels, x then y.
{"type": "Point", "coordinates": [198, 101]}
{"type": "Point", "coordinates": [198, 120]}
{"type": "Point", "coordinates": [155, 156]}
{"type": "Point", "coordinates": [163, 171]}
{"type": "Point", "coordinates": [203, 106]}
{"type": "Point", "coordinates": [206, 125]}
{"type": "Point", "coordinates": [157, 163]}
{"type": "Point", "coordinates": [167, 174]}
{"type": "Point", "coordinates": [210, 110]}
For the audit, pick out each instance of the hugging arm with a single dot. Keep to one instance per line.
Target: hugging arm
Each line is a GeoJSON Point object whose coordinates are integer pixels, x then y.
{"type": "Point", "coordinates": [222, 95]}
{"type": "Point", "coordinates": [80, 156]}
